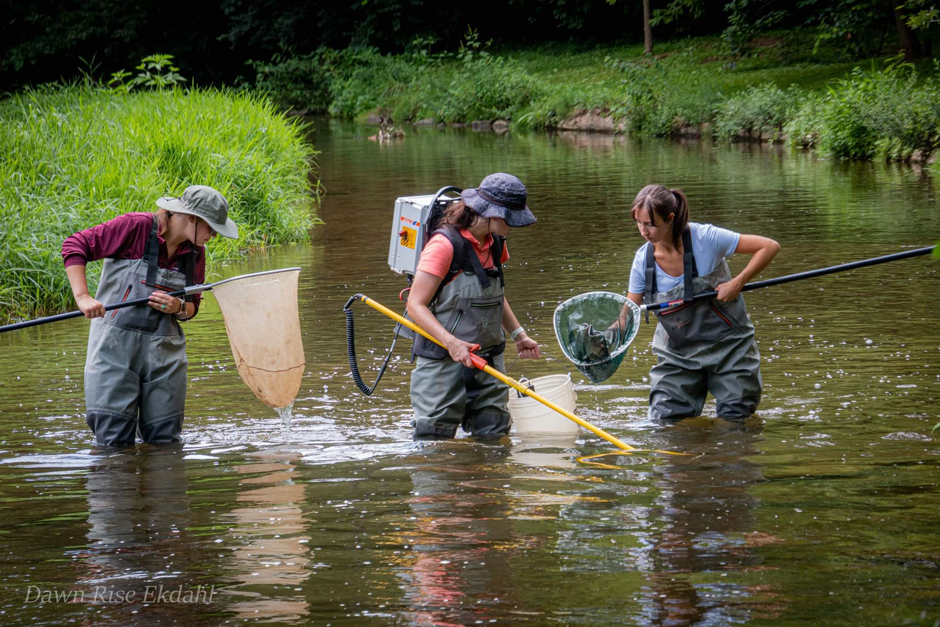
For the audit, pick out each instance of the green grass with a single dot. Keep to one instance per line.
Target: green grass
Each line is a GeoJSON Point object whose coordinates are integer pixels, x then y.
{"type": "Point", "coordinates": [782, 87]}
{"type": "Point", "coordinates": [75, 156]}
{"type": "Point", "coordinates": [539, 86]}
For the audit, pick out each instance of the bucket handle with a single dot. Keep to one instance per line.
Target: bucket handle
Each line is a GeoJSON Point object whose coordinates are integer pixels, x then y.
{"type": "Point", "coordinates": [528, 384]}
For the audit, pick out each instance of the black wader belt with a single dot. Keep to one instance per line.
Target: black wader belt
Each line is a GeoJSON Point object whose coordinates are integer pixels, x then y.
{"type": "Point", "coordinates": [689, 271]}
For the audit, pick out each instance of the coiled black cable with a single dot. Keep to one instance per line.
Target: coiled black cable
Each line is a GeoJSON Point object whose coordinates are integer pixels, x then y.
{"type": "Point", "coordinates": [351, 349]}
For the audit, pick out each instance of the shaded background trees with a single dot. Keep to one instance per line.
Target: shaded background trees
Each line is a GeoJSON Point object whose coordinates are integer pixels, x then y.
{"type": "Point", "coordinates": [49, 40]}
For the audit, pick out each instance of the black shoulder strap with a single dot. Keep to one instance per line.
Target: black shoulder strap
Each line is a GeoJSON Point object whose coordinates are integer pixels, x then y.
{"type": "Point", "coordinates": [689, 270]}
{"type": "Point", "coordinates": [650, 278]}
{"type": "Point", "coordinates": [151, 250]}
{"type": "Point", "coordinates": [189, 270]}
{"type": "Point", "coordinates": [497, 251]}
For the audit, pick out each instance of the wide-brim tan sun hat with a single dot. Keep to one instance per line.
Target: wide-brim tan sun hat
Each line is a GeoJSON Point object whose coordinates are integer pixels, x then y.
{"type": "Point", "coordinates": [206, 203]}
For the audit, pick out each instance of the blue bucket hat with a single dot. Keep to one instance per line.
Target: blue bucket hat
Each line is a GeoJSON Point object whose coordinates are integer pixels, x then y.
{"type": "Point", "coordinates": [500, 195]}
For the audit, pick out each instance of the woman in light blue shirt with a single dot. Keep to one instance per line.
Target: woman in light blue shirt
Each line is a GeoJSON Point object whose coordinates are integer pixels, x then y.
{"type": "Point", "coordinates": [704, 346]}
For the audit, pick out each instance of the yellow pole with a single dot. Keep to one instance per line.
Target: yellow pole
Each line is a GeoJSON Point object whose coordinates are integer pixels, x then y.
{"type": "Point", "coordinates": [480, 363]}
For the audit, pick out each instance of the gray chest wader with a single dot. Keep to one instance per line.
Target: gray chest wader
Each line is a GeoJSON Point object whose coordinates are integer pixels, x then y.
{"type": "Point", "coordinates": [701, 347]}
{"type": "Point", "coordinates": [135, 370]}
{"type": "Point", "coordinates": [446, 394]}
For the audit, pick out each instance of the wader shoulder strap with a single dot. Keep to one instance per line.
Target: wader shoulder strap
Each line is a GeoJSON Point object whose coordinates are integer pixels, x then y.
{"type": "Point", "coordinates": [465, 260]}
{"type": "Point", "coordinates": [689, 270]}
{"type": "Point", "coordinates": [189, 271]}
{"type": "Point", "coordinates": [151, 250]}
{"type": "Point", "coordinates": [497, 252]}
{"type": "Point", "coordinates": [650, 278]}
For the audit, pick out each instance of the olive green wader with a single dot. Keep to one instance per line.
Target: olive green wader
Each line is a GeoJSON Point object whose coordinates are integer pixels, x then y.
{"type": "Point", "coordinates": [701, 347]}
{"type": "Point", "coordinates": [445, 394]}
{"type": "Point", "coordinates": [135, 370]}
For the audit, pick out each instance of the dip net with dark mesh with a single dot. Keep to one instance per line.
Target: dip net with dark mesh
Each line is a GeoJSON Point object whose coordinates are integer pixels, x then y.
{"type": "Point", "coordinates": [595, 330]}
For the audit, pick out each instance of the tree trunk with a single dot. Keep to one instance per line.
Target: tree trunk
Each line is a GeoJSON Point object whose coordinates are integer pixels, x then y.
{"type": "Point", "coordinates": [647, 30]}
{"type": "Point", "coordinates": [908, 38]}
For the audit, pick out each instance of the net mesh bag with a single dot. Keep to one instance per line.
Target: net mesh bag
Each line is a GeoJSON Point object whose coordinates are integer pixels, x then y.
{"type": "Point", "coordinates": [594, 331]}
{"type": "Point", "coordinates": [263, 326]}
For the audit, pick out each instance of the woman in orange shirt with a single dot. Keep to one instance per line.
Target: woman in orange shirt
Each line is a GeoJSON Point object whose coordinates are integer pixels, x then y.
{"type": "Point", "coordinates": [458, 297]}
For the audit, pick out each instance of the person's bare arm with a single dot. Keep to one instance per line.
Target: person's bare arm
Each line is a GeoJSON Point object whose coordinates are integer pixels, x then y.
{"type": "Point", "coordinates": [762, 251]}
{"type": "Point", "coordinates": [525, 346]}
{"type": "Point", "coordinates": [86, 303]}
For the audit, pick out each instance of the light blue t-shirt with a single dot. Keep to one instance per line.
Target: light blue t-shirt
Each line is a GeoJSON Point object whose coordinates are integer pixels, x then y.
{"type": "Point", "coordinates": [710, 244]}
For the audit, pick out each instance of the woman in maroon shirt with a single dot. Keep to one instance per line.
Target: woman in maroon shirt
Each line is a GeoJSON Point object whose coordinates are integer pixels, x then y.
{"type": "Point", "coordinates": [135, 369]}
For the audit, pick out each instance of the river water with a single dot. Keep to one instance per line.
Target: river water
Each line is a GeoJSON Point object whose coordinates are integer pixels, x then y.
{"type": "Point", "coordinates": [822, 509]}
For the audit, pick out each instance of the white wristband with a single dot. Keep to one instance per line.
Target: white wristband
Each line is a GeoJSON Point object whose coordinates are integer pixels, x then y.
{"type": "Point", "coordinates": [516, 333]}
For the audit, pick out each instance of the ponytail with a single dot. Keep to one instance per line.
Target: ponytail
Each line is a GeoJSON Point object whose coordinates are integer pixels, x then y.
{"type": "Point", "coordinates": [681, 220]}
{"type": "Point", "coordinates": [662, 201]}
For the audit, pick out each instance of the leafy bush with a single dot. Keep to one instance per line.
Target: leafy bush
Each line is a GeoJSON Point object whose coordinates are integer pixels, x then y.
{"type": "Point", "coordinates": [660, 102]}
{"type": "Point", "coordinates": [888, 113]}
{"type": "Point", "coordinates": [75, 156]}
{"type": "Point", "coordinates": [296, 82]}
{"type": "Point", "coordinates": [467, 85]}
{"type": "Point", "coordinates": [364, 80]}
{"type": "Point", "coordinates": [758, 111]}
{"type": "Point", "coordinates": [802, 128]}
{"type": "Point", "coordinates": [486, 88]}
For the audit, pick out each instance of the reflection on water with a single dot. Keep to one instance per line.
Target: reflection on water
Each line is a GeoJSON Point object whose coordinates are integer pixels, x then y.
{"type": "Point", "coordinates": [706, 525]}
{"type": "Point", "coordinates": [270, 552]}
{"type": "Point", "coordinates": [822, 510]}
{"type": "Point", "coordinates": [138, 551]}
{"type": "Point", "coordinates": [460, 538]}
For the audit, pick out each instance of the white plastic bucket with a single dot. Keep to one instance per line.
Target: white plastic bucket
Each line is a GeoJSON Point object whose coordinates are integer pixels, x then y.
{"type": "Point", "coordinates": [531, 416]}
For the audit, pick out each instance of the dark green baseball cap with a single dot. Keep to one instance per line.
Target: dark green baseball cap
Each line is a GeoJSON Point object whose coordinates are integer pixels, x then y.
{"type": "Point", "coordinates": [206, 203]}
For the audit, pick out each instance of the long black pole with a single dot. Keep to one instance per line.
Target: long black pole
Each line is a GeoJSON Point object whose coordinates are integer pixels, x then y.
{"type": "Point", "coordinates": [192, 289]}
{"type": "Point", "coordinates": [917, 252]}
{"type": "Point", "coordinates": [77, 314]}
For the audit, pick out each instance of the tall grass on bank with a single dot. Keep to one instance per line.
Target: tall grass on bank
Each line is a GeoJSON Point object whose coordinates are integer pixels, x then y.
{"type": "Point", "coordinates": [72, 157]}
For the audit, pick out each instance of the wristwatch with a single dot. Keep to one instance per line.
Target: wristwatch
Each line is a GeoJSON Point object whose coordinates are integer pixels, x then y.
{"type": "Point", "coordinates": [182, 310]}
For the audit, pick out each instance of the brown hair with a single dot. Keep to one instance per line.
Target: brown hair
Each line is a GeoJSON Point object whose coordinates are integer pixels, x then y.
{"type": "Point", "coordinates": [659, 199]}
{"type": "Point", "coordinates": [163, 220]}
{"type": "Point", "coordinates": [457, 216]}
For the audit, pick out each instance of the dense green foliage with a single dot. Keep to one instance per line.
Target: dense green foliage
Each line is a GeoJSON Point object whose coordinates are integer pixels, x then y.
{"type": "Point", "coordinates": [790, 87]}
{"type": "Point", "coordinates": [214, 41]}
{"type": "Point", "coordinates": [76, 156]}
{"type": "Point", "coordinates": [889, 113]}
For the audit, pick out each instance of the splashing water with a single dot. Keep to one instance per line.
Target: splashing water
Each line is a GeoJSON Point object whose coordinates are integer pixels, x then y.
{"type": "Point", "coordinates": [286, 413]}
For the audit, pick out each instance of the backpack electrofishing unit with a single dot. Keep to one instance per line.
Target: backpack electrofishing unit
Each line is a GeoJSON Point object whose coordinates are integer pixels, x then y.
{"type": "Point", "coordinates": [414, 220]}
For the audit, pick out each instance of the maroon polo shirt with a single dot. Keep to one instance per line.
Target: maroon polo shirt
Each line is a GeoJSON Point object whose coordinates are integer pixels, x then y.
{"type": "Point", "coordinates": [125, 237]}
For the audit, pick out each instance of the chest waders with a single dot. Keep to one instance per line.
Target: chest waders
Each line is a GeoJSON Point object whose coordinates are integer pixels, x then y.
{"type": "Point", "coordinates": [446, 394]}
{"type": "Point", "coordinates": [135, 370]}
{"type": "Point", "coordinates": [703, 346]}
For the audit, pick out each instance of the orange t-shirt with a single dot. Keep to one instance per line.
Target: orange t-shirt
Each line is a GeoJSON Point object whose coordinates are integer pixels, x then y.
{"type": "Point", "coordinates": [438, 253]}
